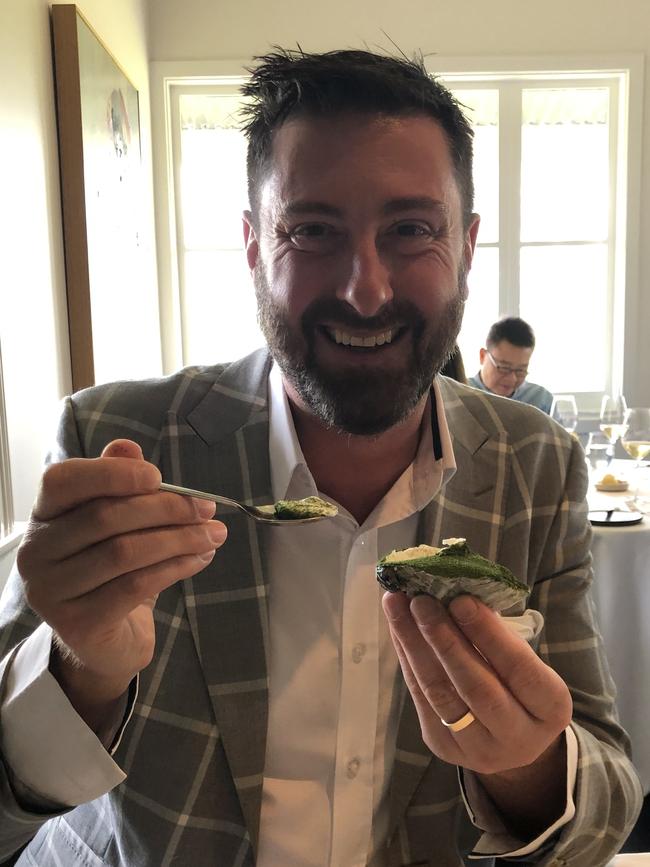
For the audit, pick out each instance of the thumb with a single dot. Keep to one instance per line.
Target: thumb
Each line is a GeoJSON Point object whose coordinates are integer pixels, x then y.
{"type": "Point", "coordinates": [123, 449]}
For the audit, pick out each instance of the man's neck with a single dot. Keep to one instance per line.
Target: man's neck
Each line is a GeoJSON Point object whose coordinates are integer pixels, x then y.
{"type": "Point", "coordinates": [356, 471]}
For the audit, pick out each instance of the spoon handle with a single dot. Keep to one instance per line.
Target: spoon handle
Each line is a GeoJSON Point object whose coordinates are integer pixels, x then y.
{"type": "Point", "coordinates": [202, 495]}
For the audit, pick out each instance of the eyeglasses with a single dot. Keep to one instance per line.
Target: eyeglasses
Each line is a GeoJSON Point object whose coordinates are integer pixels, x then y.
{"type": "Point", "coordinates": [506, 369]}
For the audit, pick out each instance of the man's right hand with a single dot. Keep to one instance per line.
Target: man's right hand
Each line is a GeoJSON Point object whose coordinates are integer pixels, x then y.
{"type": "Point", "coordinates": [101, 543]}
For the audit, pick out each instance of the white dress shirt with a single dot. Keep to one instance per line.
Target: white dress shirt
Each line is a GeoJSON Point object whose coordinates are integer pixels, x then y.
{"type": "Point", "coordinates": [333, 718]}
{"type": "Point", "coordinates": [334, 689]}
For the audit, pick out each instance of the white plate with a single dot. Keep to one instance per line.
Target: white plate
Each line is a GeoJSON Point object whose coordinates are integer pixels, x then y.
{"type": "Point", "coordinates": [616, 486]}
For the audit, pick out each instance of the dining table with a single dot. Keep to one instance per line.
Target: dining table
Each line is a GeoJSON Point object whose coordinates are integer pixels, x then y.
{"type": "Point", "coordinates": [621, 594]}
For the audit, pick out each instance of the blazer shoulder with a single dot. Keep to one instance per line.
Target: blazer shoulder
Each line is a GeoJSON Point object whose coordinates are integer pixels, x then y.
{"type": "Point", "coordinates": [143, 409]}
{"type": "Point", "coordinates": [500, 414]}
{"type": "Point", "coordinates": [146, 399]}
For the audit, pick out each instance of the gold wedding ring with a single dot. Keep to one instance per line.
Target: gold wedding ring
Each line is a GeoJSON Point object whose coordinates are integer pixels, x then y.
{"type": "Point", "coordinates": [460, 724]}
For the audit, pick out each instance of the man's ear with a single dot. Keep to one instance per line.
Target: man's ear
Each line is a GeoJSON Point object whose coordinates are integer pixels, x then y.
{"type": "Point", "coordinates": [469, 244]}
{"type": "Point", "coordinates": [482, 356]}
{"type": "Point", "coordinates": [250, 240]}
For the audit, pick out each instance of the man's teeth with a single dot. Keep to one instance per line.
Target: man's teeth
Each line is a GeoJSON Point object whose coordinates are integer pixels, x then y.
{"type": "Point", "coordinates": [351, 340]}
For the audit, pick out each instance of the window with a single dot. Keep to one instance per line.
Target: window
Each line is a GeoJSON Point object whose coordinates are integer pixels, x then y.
{"type": "Point", "coordinates": [546, 188]}
{"type": "Point", "coordinates": [552, 173]}
{"type": "Point", "coordinates": [217, 300]}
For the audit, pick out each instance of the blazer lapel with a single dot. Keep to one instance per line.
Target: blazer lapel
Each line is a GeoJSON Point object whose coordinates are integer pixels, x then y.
{"type": "Point", "coordinates": [221, 445]}
{"type": "Point", "coordinates": [471, 505]}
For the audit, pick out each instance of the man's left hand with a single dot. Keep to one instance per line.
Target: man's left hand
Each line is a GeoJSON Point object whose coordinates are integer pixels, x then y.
{"type": "Point", "coordinates": [465, 659]}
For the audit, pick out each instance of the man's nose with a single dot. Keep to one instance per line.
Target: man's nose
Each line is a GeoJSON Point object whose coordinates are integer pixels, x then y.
{"type": "Point", "coordinates": [367, 287]}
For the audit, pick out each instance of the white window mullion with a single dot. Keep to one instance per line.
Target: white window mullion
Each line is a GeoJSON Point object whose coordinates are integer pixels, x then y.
{"type": "Point", "coordinates": [175, 120]}
{"type": "Point", "coordinates": [509, 195]}
{"type": "Point", "coordinates": [617, 238]}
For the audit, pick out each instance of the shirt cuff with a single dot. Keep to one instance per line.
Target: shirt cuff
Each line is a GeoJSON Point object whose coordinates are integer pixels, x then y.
{"type": "Point", "coordinates": [496, 840]}
{"type": "Point", "coordinates": [49, 748]}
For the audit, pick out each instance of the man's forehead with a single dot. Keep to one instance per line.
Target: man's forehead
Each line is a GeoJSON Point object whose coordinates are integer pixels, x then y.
{"type": "Point", "coordinates": [312, 153]}
{"type": "Point", "coordinates": [299, 128]}
{"type": "Point", "coordinates": [506, 350]}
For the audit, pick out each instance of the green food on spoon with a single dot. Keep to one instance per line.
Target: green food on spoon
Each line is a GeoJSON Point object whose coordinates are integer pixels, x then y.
{"type": "Point", "coordinates": [309, 507]}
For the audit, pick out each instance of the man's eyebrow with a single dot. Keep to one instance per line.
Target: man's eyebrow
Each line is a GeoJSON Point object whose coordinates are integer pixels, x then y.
{"type": "Point", "coordinates": [300, 208]}
{"type": "Point", "coordinates": [393, 206]}
{"type": "Point", "coordinates": [415, 203]}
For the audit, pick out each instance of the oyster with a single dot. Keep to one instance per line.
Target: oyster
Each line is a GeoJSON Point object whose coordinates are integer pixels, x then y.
{"type": "Point", "coordinates": [447, 572]}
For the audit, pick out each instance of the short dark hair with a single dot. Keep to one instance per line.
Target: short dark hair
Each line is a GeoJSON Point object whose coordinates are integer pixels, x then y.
{"type": "Point", "coordinates": [286, 84]}
{"type": "Point", "coordinates": [514, 330]}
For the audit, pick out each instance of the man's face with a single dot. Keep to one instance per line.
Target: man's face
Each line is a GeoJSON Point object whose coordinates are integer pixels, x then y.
{"type": "Point", "coordinates": [359, 260]}
{"type": "Point", "coordinates": [513, 361]}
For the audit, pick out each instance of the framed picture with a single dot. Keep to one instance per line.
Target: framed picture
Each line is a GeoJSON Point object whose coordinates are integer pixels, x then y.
{"type": "Point", "coordinates": [101, 178]}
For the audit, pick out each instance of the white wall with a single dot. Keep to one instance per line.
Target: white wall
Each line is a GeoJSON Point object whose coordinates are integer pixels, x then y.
{"type": "Point", "coordinates": [195, 30]}
{"type": "Point", "coordinates": [33, 319]}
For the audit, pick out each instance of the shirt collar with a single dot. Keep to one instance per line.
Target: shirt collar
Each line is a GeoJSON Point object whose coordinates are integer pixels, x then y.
{"type": "Point", "coordinates": [284, 449]}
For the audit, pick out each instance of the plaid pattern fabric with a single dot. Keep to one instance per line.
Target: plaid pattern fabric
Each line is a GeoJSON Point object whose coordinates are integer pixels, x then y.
{"type": "Point", "coordinates": [194, 750]}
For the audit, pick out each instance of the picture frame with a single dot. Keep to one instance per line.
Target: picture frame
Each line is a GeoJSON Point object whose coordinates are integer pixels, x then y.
{"type": "Point", "coordinates": [100, 167]}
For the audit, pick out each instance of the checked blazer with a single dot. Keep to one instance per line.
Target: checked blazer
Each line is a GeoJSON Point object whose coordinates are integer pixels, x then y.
{"type": "Point", "coordinates": [194, 749]}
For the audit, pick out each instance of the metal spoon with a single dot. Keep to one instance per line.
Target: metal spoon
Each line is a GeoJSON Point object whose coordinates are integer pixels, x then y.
{"type": "Point", "coordinates": [266, 514]}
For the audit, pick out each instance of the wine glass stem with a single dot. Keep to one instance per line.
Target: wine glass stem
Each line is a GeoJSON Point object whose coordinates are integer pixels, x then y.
{"type": "Point", "coordinates": [637, 469]}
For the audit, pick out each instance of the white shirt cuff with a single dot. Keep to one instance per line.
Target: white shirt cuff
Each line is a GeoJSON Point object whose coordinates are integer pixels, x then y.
{"type": "Point", "coordinates": [496, 840]}
{"type": "Point", "coordinates": [49, 748]}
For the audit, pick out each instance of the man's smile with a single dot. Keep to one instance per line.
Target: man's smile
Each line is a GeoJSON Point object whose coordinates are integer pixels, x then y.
{"type": "Point", "coordinates": [343, 337]}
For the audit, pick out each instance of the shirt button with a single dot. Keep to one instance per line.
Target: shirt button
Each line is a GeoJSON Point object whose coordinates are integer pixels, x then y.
{"type": "Point", "coordinates": [353, 768]}
{"type": "Point", "coordinates": [358, 652]}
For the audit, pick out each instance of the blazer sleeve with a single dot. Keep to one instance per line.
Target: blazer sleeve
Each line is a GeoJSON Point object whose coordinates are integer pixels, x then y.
{"type": "Point", "coordinates": [608, 794]}
{"type": "Point", "coordinates": [20, 818]}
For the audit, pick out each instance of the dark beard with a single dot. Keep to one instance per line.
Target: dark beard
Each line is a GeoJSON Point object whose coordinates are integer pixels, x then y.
{"type": "Point", "coordinates": [359, 401]}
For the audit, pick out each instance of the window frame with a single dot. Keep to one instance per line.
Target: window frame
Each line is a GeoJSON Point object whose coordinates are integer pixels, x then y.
{"type": "Point", "coordinates": [6, 491]}
{"type": "Point", "coordinates": [169, 79]}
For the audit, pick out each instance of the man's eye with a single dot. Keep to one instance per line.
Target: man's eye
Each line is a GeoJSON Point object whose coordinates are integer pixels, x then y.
{"type": "Point", "coordinates": [310, 230]}
{"type": "Point", "coordinates": [313, 236]}
{"type": "Point", "coordinates": [413, 230]}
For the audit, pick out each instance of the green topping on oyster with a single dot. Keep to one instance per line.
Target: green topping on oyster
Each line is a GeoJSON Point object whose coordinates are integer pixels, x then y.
{"type": "Point", "coordinates": [449, 572]}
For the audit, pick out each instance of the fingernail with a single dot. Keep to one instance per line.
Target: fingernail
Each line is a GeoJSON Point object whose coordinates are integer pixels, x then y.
{"type": "Point", "coordinates": [206, 556]}
{"type": "Point", "coordinates": [149, 475]}
{"type": "Point", "coordinates": [420, 606]}
{"type": "Point", "coordinates": [463, 609]}
{"type": "Point", "coordinates": [217, 532]}
{"type": "Point", "coordinates": [205, 508]}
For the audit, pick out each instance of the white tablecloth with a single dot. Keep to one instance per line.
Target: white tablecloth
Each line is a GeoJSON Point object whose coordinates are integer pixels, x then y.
{"type": "Point", "coordinates": [621, 592]}
{"type": "Point", "coordinates": [633, 859]}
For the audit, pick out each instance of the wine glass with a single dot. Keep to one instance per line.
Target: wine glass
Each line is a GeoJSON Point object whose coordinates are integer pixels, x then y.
{"type": "Point", "coordinates": [636, 439]}
{"type": "Point", "coordinates": [612, 416]}
{"type": "Point", "coordinates": [565, 411]}
{"type": "Point", "coordinates": [599, 451]}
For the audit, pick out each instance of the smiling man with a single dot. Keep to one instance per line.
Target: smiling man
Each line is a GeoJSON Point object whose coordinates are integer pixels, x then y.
{"type": "Point", "coordinates": [504, 364]}
{"type": "Point", "coordinates": [268, 704]}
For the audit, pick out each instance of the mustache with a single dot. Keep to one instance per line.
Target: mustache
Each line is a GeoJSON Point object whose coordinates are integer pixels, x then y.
{"type": "Point", "coordinates": [335, 312]}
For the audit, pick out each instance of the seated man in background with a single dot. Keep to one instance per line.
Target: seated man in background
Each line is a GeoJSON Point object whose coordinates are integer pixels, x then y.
{"type": "Point", "coordinates": [504, 364]}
